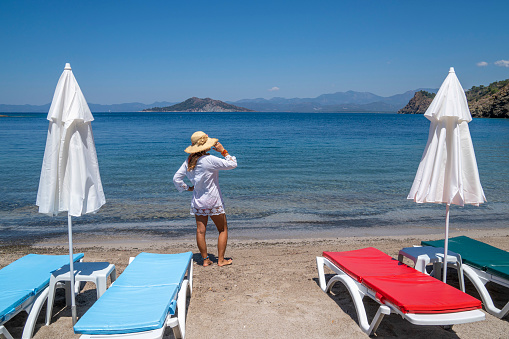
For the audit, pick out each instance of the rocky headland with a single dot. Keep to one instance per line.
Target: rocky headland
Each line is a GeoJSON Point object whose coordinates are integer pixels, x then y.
{"type": "Point", "coordinates": [491, 101]}
{"type": "Point", "coordinates": [484, 101]}
{"type": "Point", "coordinates": [195, 104]}
{"type": "Point", "coordinates": [418, 104]}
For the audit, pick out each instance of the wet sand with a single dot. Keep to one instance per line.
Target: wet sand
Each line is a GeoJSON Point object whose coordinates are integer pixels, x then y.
{"type": "Point", "coordinates": [270, 291]}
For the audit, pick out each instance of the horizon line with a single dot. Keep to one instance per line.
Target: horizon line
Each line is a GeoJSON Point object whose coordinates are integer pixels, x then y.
{"type": "Point", "coordinates": [225, 100]}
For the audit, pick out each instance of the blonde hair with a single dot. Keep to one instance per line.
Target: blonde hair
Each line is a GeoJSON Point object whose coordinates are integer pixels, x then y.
{"type": "Point", "coordinates": [193, 159]}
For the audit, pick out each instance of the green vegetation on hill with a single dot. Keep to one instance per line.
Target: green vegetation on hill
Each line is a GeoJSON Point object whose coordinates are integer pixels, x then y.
{"type": "Point", "coordinates": [490, 101]}
{"type": "Point", "coordinates": [428, 94]}
{"type": "Point", "coordinates": [476, 93]}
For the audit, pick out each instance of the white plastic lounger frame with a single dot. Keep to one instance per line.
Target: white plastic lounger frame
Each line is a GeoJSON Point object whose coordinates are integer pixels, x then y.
{"type": "Point", "coordinates": [358, 292]}
{"type": "Point", "coordinates": [480, 279]}
{"type": "Point", "coordinates": [177, 322]}
{"type": "Point", "coordinates": [32, 306]}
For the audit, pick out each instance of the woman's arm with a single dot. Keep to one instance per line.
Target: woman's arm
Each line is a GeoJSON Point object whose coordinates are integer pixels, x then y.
{"type": "Point", "coordinates": [178, 179]}
{"type": "Point", "coordinates": [229, 162]}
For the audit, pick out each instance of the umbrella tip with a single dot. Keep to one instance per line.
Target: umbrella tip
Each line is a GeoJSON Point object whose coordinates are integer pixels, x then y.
{"type": "Point", "coordinates": [451, 70]}
{"type": "Point", "coordinates": [67, 66]}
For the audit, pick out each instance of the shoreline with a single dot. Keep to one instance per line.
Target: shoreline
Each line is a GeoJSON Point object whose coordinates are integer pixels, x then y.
{"type": "Point", "coordinates": [281, 226]}
{"type": "Point", "coordinates": [259, 236]}
{"type": "Point", "coordinates": [271, 290]}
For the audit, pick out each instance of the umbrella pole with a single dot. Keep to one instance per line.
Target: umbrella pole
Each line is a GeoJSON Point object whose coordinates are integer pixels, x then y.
{"type": "Point", "coordinates": [71, 270]}
{"type": "Point", "coordinates": [446, 242]}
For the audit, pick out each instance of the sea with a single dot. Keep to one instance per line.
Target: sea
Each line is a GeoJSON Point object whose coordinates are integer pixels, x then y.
{"type": "Point", "coordinates": [298, 175]}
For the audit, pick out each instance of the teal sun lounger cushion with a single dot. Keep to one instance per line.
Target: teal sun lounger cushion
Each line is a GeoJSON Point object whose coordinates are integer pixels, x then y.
{"type": "Point", "coordinates": [25, 278]}
{"type": "Point", "coordinates": [477, 254]}
{"type": "Point", "coordinates": [140, 298]}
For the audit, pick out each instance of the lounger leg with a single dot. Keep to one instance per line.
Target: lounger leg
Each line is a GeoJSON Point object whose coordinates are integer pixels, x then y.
{"type": "Point", "coordinates": [5, 333]}
{"type": "Point", "coordinates": [437, 270]}
{"type": "Point", "coordinates": [461, 277]}
{"type": "Point", "coordinates": [68, 291]}
{"type": "Point", "coordinates": [459, 270]}
{"type": "Point", "coordinates": [51, 299]}
{"type": "Point", "coordinates": [33, 314]}
{"type": "Point", "coordinates": [357, 296]}
{"type": "Point", "coordinates": [320, 262]}
{"type": "Point", "coordinates": [485, 295]}
{"type": "Point", "coordinates": [181, 306]}
{"type": "Point", "coordinates": [190, 277]}
{"type": "Point", "coordinates": [176, 332]}
{"type": "Point", "coordinates": [380, 313]}
{"type": "Point", "coordinates": [357, 292]}
{"type": "Point", "coordinates": [179, 324]}
{"type": "Point", "coordinates": [79, 286]}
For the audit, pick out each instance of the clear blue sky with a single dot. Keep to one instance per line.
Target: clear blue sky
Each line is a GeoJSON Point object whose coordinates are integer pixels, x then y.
{"type": "Point", "coordinates": [146, 51]}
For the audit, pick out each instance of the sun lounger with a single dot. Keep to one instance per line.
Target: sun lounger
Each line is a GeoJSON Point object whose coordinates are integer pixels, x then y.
{"type": "Point", "coordinates": [143, 300]}
{"type": "Point", "coordinates": [24, 287]}
{"type": "Point", "coordinates": [482, 263]}
{"type": "Point", "coordinates": [398, 288]}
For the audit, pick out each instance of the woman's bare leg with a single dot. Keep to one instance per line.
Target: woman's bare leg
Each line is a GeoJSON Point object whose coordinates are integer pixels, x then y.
{"type": "Point", "coordinates": [201, 230]}
{"type": "Point", "coordinates": [222, 240]}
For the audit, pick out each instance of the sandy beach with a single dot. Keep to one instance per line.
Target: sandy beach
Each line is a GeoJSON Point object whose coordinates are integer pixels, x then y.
{"type": "Point", "coordinates": [270, 291]}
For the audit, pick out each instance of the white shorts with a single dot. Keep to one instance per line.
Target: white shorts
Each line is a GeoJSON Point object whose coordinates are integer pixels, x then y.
{"type": "Point", "coordinates": [207, 211]}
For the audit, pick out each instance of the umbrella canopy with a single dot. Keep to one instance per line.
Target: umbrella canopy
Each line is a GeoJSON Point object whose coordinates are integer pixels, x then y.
{"type": "Point", "coordinates": [448, 170]}
{"type": "Point", "coordinates": [70, 179]}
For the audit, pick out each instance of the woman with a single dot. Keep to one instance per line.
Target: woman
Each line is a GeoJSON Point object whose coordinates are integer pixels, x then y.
{"type": "Point", "coordinates": [202, 170]}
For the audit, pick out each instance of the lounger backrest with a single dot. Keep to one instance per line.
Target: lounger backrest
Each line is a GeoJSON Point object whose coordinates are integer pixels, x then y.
{"type": "Point", "coordinates": [477, 254]}
{"type": "Point", "coordinates": [140, 298]}
{"type": "Point", "coordinates": [151, 269]}
{"type": "Point", "coordinates": [359, 263]}
{"type": "Point", "coordinates": [25, 278]}
{"type": "Point", "coordinates": [408, 289]}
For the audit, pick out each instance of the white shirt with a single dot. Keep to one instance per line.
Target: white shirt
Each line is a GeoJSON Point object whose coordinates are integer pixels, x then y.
{"type": "Point", "coordinates": [205, 179]}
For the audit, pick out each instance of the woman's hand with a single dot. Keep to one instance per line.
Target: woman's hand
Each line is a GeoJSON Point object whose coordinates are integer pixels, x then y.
{"type": "Point", "coordinates": [218, 147]}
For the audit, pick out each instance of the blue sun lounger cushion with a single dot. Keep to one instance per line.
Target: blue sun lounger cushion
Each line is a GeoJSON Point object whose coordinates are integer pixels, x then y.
{"type": "Point", "coordinates": [25, 278]}
{"type": "Point", "coordinates": [140, 298]}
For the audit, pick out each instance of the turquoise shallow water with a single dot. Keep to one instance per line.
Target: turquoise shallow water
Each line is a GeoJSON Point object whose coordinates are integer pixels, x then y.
{"type": "Point", "coordinates": [296, 172]}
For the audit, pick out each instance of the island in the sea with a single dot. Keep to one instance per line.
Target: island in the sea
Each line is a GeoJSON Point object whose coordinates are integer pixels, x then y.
{"type": "Point", "coordinates": [195, 104]}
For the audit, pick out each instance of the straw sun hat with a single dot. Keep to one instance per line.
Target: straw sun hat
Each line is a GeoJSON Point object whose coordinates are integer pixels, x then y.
{"type": "Point", "coordinates": [200, 142]}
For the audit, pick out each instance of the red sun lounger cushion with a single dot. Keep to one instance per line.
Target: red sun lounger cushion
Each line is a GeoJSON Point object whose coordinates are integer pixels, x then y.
{"type": "Point", "coordinates": [363, 262]}
{"type": "Point", "coordinates": [406, 288]}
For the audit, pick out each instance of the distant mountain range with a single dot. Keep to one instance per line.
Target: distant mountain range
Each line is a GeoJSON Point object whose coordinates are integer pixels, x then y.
{"type": "Point", "coordinates": [350, 101]}
{"type": "Point", "coordinates": [127, 107]}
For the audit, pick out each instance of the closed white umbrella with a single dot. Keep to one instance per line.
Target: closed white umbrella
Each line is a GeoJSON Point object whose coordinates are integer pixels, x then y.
{"type": "Point", "coordinates": [70, 179]}
{"type": "Point", "coordinates": [448, 170]}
